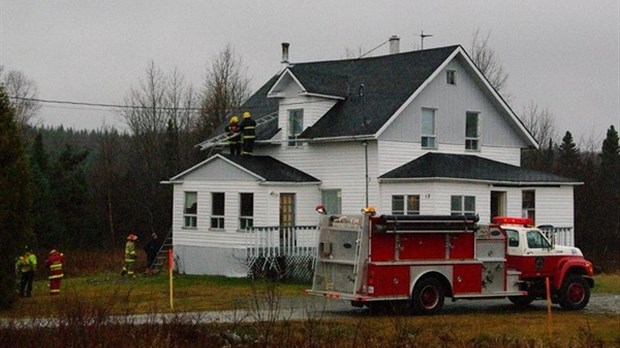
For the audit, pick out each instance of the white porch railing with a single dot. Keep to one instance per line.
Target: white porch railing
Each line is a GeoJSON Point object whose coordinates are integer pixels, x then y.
{"type": "Point", "coordinates": [559, 235]}
{"type": "Point", "coordinates": [281, 241]}
{"type": "Point", "coordinates": [282, 252]}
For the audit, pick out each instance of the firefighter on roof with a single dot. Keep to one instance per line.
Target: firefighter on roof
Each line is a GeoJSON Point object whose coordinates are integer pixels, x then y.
{"type": "Point", "coordinates": [26, 265]}
{"type": "Point", "coordinates": [248, 129]}
{"type": "Point", "coordinates": [130, 256]}
{"type": "Point", "coordinates": [54, 263]}
{"type": "Point", "coordinates": [234, 130]}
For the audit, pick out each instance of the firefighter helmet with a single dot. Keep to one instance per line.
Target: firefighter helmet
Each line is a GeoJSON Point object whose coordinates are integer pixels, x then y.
{"type": "Point", "coordinates": [132, 237]}
{"type": "Point", "coordinates": [247, 114]}
{"type": "Point", "coordinates": [234, 119]}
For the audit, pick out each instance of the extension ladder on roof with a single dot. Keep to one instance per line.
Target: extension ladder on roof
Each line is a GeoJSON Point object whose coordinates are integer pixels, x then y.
{"type": "Point", "coordinates": [219, 141]}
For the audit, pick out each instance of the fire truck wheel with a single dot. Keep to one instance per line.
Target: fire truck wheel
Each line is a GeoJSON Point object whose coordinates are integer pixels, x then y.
{"type": "Point", "coordinates": [575, 293]}
{"type": "Point", "coordinates": [428, 296]}
{"type": "Point", "coordinates": [521, 301]}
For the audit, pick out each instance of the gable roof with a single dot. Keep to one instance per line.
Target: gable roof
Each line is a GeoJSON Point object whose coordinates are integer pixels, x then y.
{"type": "Point", "coordinates": [264, 168]}
{"type": "Point", "coordinates": [371, 92]}
{"type": "Point", "coordinates": [435, 165]}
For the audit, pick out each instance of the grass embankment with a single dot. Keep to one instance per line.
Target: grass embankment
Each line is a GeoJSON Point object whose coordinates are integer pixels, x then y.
{"type": "Point", "coordinates": [86, 296]}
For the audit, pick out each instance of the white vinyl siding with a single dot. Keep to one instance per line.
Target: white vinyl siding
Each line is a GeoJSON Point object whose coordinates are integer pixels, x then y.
{"type": "Point", "coordinates": [451, 103]}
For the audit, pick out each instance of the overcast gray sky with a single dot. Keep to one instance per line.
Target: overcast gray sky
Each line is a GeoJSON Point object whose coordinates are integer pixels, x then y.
{"type": "Point", "coordinates": [561, 55]}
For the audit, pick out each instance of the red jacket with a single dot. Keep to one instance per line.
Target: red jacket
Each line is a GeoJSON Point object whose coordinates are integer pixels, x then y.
{"type": "Point", "coordinates": [54, 263]}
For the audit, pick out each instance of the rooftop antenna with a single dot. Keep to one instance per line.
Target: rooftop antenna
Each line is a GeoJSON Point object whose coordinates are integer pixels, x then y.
{"type": "Point", "coordinates": [422, 36]}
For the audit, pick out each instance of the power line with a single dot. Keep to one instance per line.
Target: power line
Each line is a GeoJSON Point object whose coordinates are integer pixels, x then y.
{"type": "Point", "coordinates": [115, 106]}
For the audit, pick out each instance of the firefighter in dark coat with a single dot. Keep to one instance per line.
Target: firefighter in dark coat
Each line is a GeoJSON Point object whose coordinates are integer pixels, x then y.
{"type": "Point", "coordinates": [248, 129]}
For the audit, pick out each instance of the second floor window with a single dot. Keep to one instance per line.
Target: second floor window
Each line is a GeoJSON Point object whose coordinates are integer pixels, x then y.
{"type": "Point", "coordinates": [295, 126]}
{"type": "Point", "coordinates": [528, 204]}
{"type": "Point", "coordinates": [472, 131]}
{"type": "Point", "coordinates": [428, 129]}
{"type": "Point", "coordinates": [190, 210]}
{"type": "Point", "coordinates": [462, 205]}
{"type": "Point", "coordinates": [246, 211]}
{"type": "Point", "coordinates": [406, 204]}
{"type": "Point", "coordinates": [217, 210]}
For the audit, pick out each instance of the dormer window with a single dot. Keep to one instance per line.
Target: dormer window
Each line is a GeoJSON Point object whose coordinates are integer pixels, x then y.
{"type": "Point", "coordinates": [295, 126]}
{"type": "Point", "coordinates": [451, 77]}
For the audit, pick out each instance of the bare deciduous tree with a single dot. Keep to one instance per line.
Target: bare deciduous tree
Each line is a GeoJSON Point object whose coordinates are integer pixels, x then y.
{"type": "Point", "coordinates": [540, 122]}
{"type": "Point", "coordinates": [21, 91]}
{"type": "Point", "coordinates": [486, 60]}
{"type": "Point", "coordinates": [225, 88]}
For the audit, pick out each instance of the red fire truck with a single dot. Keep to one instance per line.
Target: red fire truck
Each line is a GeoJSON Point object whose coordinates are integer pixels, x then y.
{"type": "Point", "coordinates": [418, 261]}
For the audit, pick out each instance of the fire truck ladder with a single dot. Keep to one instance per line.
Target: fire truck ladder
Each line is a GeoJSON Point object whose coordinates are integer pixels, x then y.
{"type": "Point", "coordinates": [218, 142]}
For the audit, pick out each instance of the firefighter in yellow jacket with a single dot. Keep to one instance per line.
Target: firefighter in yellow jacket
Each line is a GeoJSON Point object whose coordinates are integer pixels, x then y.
{"type": "Point", "coordinates": [54, 263]}
{"type": "Point", "coordinates": [130, 256]}
{"type": "Point", "coordinates": [26, 265]}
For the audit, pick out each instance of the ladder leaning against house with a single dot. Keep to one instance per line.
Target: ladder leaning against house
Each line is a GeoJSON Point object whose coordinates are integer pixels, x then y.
{"type": "Point", "coordinates": [161, 260]}
{"type": "Point", "coordinates": [218, 142]}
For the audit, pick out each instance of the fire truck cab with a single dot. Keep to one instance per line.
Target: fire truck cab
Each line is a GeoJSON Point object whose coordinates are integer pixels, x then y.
{"type": "Point", "coordinates": [419, 260]}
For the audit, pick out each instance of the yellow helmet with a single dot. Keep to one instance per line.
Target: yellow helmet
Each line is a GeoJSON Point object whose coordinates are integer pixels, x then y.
{"type": "Point", "coordinates": [247, 114]}
{"type": "Point", "coordinates": [234, 119]}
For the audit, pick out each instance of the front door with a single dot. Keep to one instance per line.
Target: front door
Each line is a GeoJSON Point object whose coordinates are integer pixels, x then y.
{"type": "Point", "coordinates": [287, 220]}
{"type": "Point", "coordinates": [498, 204]}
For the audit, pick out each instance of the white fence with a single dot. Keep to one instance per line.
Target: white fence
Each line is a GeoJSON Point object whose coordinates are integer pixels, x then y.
{"type": "Point", "coordinates": [281, 252]}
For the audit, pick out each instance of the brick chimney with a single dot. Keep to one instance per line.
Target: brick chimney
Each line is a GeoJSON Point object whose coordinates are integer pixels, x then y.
{"type": "Point", "coordinates": [394, 44]}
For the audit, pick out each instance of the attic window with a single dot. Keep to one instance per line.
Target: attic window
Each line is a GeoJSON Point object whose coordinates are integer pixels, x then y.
{"type": "Point", "coordinates": [451, 77]}
{"type": "Point", "coordinates": [295, 125]}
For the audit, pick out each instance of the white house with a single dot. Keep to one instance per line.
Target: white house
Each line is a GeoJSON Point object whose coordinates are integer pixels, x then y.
{"type": "Point", "coordinates": [419, 132]}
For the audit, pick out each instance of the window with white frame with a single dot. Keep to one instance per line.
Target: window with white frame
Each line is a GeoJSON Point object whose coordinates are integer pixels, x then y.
{"type": "Point", "coordinates": [528, 204]}
{"type": "Point", "coordinates": [295, 126]}
{"type": "Point", "coordinates": [472, 130]}
{"type": "Point", "coordinates": [217, 210]}
{"type": "Point", "coordinates": [246, 211]}
{"type": "Point", "coordinates": [332, 200]}
{"type": "Point", "coordinates": [451, 77]}
{"type": "Point", "coordinates": [406, 204]}
{"type": "Point", "coordinates": [190, 210]}
{"type": "Point", "coordinates": [462, 205]}
{"type": "Point", "coordinates": [428, 129]}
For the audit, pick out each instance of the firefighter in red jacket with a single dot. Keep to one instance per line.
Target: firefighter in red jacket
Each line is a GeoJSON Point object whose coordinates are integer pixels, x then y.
{"type": "Point", "coordinates": [54, 263]}
{"type": "Point", "coordinates": [234, 131]}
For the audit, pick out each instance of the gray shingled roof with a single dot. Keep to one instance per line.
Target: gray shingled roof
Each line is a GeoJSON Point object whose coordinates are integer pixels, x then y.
{"type": "Point", "coordinates": [388, 82]}
{"type": "Point", "coordinates": [271, 169]}
{"type": "Point", "coordinates": [470, 167]}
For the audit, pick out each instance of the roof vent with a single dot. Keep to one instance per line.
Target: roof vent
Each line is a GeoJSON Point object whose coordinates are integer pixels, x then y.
{"type": "Point", "coordinates": [285, 46]}
{"type": "Point", "coordinates": [394, 44]}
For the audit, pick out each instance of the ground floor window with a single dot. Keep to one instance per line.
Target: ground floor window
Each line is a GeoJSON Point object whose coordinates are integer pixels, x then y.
{"type": "Point", "coordinates": [406, 204]}
{"type": "Point", "coordinates": [246, 211]}
{"type": "Point", "coordinates": [462, 205]}
{"type": "Point", "coordinates": [332, 201]}
{"type": "Point", "coordinates": [528, 204]}
{"type": "Point", "coordinates": [217, 210]}
{"type": "Point", "coordinates": [190, 208]}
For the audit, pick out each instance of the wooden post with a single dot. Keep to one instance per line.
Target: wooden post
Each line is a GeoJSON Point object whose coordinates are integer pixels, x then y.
{"type": "Point", "coordinates": [170, 267]}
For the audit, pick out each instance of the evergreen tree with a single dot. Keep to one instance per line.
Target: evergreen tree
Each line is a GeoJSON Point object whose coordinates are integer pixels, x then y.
{"type": "Point", "coordinates": [569, 161]}
{"type": "Point", "coordinates": [15, 202]}
{"type": "Point", "coordinates": [609, 199]}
